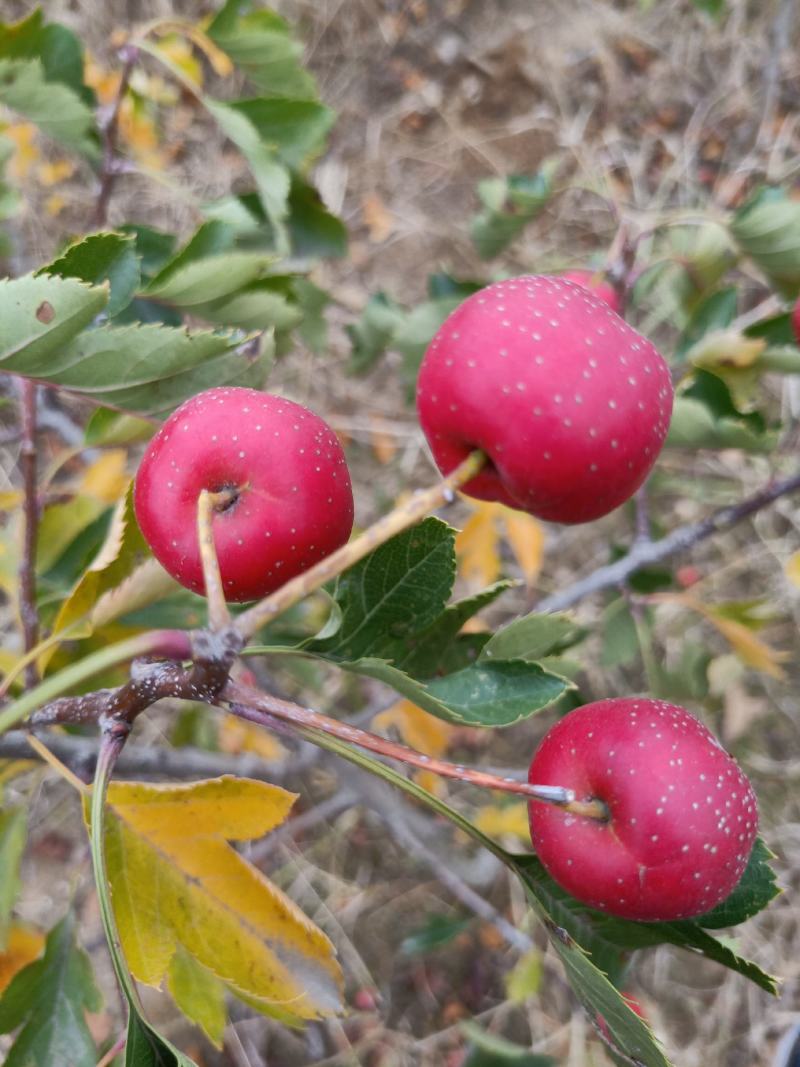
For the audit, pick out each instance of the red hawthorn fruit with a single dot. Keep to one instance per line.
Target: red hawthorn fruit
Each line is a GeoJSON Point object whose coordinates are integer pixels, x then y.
{"type": "Point", "coordinates": [570, 404]}
{"type": "Point", "coordinates": [796, 320]}
{"type": "Point", "coordinates": [595, 282]}
{"type": "Point", "coordinates": [292, 504]}
{"type": "Point", "coordinates": [682, 816]}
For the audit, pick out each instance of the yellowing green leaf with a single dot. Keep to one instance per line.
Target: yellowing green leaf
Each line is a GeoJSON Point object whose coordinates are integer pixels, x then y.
{"type": "Point", "coordinates": [496, 820]}
{"type": "Point", "coordinates": [106, 478]}
{"type": "Point", "coordinates": [199, 995]}
{"type": "Point", "coordinates": [750, 649]}
{"type": "Point", "coordinates": [176, 881]}
{"type": "Point", "coordinates": [525, 978]}
{"type": "Point", "coordinates": [25, 944]}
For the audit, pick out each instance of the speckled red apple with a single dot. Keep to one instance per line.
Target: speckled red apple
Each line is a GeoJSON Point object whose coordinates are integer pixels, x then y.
{"type": "Point", "coordinates": [570, 404]}
{"type": "Point", "coordinates": [292, 498]}
{"type": "Point", "coordinates": [682, 816]}
{"type": "Point", "coordinates": [596, 282]}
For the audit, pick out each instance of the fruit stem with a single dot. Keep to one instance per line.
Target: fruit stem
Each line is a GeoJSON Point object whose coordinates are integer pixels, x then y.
{"type": "Point", "coordinates": [264, 709]}
{"type": "Point", "coordinates": [412, 511]}
{"type": "Point", "coordinates": [207, 503]}
{"type": "Point", "coordinates": [589, 809]}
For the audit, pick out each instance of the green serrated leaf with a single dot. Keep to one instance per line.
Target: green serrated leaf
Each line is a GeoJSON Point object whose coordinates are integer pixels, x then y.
{"type": "Point", "coordinates": [694, 425]}
{"type": "Point", "coordinates": [297, 129]}
{"type": "Point", "coordinates": [767, 229]}
{"type": "Point", "coordinates": [431, 648]}
{"type": "Point", "coordinates": [609, 938]}
{"type": "Point", "coordinates": [106, 427]}
{"type": "Point", "coordinates": [492, 694]}
{"type": "Point", "coordinates": [57, 110]}
{"type": "Point", "coordinates": [147, 1048]}
{"type": "Point", "coordinates": [509, 205]}
{"type": "Point", "coordinates": [124, 549]}
{"type": "Point", "coordinates": [256, 306]}
{"type": "Point", "coordinates": [437, 931]}
{"type": "Point", "coordinates": [534, 636]}
{"type": "Point", "coordinates": [13, 835]}
{"type": "Point", "coordinates": [102, 257]}
{"type": "Point", "coordinates": [620, 636]}
{"type": "Point", "coordinates": [144, 370]}
{"type": "Point", "coordinates": [716, 312]}
{"type": "Point", "coordinates": [39, 316]}
{"type": "Point", "coordinates": [397, 591]}
{"type": "Point", "coordinates": [372, 334]}
{"type": "Point", "coordinates": [314, 232]}
{"type": "Point", "coordinates": [490, 1050]}
{"type": "Point", "coordinates": [57, 47]}
{"type": "Point", "coordinates": [48, 1000]}
{"type": "Point", "coordinates": [260, 44]}
{"type": "Point", "coordinates": [270, 174]}
{"type": "Point", "coordinates": [756, 888]}
{"type": "Point", "coordinates": [208, 279]}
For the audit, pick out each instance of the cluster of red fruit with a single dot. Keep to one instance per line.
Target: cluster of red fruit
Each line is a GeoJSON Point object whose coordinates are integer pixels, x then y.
{"type": "Point", "coordinates": [570, 407]}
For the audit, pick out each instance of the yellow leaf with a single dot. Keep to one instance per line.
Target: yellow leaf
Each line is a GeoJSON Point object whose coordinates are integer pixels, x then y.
{"type": "Point", "coordinates": [384, 445]}
{"type": "Point", "coordinates": [57, 171]}
{"type": "Point", "coordinates": [236, 735]}
{"type": "Point", "coordinates": [26, 152]}
{"type": "Point", "coordinates": [179, 53]}
{"type": "Point", "coordinates": [10, 498]}
{"type": "Point", "coordinates": [416, 727]}
{"type": "Point", "coordinates": [749, 648]}
{"type": "Point", "coordinates": [477, 546]}
{"type": "Point", "coordinates": [104, 82]}
{"type": "Point", "coordinates": [496, 820]}
{"type": "Point", "coordinates": [106, 479]}
{"type": "Point", "coordinates": [525, 977]}
{"type": "Point", "coordinates": [377, 217]}
{"type": "Point", "coordinates": [54, 204]}
{"type": "Point", "coordinates": [220, 62]}
{"type": "Point", "coordinates": [176, 881]}
{"type": "Point", "coordinates": [793, 569]}
{"type": "Point", "coordinates": [525, 534]}
{"type": "Point", "coordinates": [25, 944]}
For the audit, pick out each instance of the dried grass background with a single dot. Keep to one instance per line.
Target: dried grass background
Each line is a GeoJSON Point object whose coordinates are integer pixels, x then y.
{"type": "Point", "coordinates": [670, 109]}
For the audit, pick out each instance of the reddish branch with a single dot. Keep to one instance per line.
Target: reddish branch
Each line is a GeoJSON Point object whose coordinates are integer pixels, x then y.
{"type": "Point", "coordinates": [109, 164]}
{"type": "Point", "coordinates": [27, 571]}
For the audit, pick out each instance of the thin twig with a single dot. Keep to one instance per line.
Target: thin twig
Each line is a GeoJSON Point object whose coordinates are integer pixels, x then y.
{"type": "Point", "coordinates": [415, 509]}
{"type": "Point", "coordinates": [108, 165]}
{"type": "Point", "coordinates": [645, 553]}
{"type": "Point", "coordinates": [27, 571]}
{"type": "Point", "coordinates": [151, 761]}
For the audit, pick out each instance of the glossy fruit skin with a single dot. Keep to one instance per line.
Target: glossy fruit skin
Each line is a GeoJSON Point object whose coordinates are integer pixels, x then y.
{"type": "Point", "coordinates": [595, 282]}
{"type": "Point", "coordinates": [568, 401]}
{"type": "Point", "coordinates": [796, 320]}
{"type": "Point", "coordinates": [683, 816]}
{"type": "Point", "coordinates": [294, 504]}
